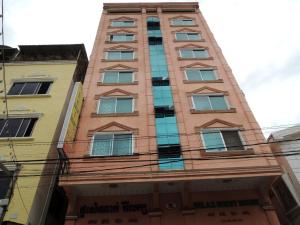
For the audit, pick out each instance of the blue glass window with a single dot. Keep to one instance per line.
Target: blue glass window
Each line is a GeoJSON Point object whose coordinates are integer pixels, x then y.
{"type": "Point", "coordinates": [153, 19]}
{"type": "Point", "coordinates": [110, 77]}
{"type": "Point", "coordinates": [120, 55]}
{"type": "Point", "coordinates": [162, 96]}
{"type": "Point", "coordinates": [154, 33]}
{"type": "Point", "coordinates": [213, 141]}
{"type": "Point", "coordinates": [121, 37]}
{"type": "Point", "coordinates": [222, 140]}
{"type": "Point", "coordinates": [125, 23]}
{"type": "Point", "coordinates": [158, 62]}
{"type": "Point", "coordinates": [187, 36]}
{"type": "Point", "coordinates": [200, 74]}
{"type": "Point", "coordinates": [193, 53]}
{"type": "Point", "coordinates": [209, 102]}
{"type": "Point", "coordinates": [115, 105]}
{"type": "Point", "coordinates": [182, 22]}
{"type": "Point", "coordinates": [166, 130]}
{"type": "Point", "coordinates": [171, 163]}
{"type": "Point", "coordinates": [153, 27]}
{"type": "Point", "coordinates": [108, 144]}
{"type": "Point", "coordinates": [165, 121]}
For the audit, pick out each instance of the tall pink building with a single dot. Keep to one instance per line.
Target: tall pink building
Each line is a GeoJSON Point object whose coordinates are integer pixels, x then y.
{"type": "Point", "coordinates": [165, 135]}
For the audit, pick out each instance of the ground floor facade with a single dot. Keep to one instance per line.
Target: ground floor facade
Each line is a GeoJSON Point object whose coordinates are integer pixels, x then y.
{"type": "Point", "coordinates": [230, 207]}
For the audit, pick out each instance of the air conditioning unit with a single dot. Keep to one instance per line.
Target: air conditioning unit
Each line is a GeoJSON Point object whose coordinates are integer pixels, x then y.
{"type": "Point", "coordinates": [4, 202]}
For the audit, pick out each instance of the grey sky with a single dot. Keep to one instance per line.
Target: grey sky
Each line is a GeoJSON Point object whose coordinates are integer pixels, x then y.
{"type": "Point", "coordinates": [260, 40]}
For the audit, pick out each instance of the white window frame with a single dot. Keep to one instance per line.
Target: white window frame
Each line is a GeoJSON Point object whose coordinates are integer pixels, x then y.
{"type": "Point", "coordinates": [133, 55]}
{"type": "Point", "coordinates": [119, 34]}
{"type": "Point", "coordinates": [118, 132]}
{"type": "Point", "coordinates": [119, 71]}
{"type": "Point", "coordinates": [214, 71]}
{"type": "Point", "coordinates": [109, 97]}
{"type": "Point", "coordinates": [32, 81]}
{"type": "Point", "coordinates": [187, 36]}
{"type": "Point", "coordinates": [173, 20]}
{"type": "Point", "coordinates": [212, 94]}
{"type": "Point", "coordinates": [220, 131]}
{"type": "Point", "coordinates": [133, 24]}
{"type": "Point", "coordinates": [1, 130]}
{"type": "Point", "coordinates": [194, 53]}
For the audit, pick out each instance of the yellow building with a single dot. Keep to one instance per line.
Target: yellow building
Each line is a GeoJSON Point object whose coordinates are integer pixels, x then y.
{"type": "Point", "coordinates": [39, 83]}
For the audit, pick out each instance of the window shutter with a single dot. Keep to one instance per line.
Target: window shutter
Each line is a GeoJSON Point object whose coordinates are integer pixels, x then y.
{"type": "Point", "coordinates": [232, 140]}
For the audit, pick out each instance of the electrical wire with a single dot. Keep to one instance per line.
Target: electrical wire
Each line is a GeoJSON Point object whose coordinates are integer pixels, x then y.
{"type": "Point", "coordinates": [6, 104]}
{"type": "Point", "coordinates": [15, 161]}
{"type": "Point", "coordinates": [88, 141]}
{"type": "Point", "coordinates": [92, 172]}
{"type": "Point", "coordinates": [240, 159]}
{"type": "Point", "coordinates": [151, 153]}
{"type": "Point", "coordinates": [140, 146]}
{"type": "Point", "coordinates": [20, 143]}
{"type": "Point", "coordinates": [154, 151]}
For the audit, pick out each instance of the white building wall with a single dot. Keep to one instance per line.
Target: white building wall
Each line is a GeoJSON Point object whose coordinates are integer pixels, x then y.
{"type": "Point", "coordinates": [293, 160]}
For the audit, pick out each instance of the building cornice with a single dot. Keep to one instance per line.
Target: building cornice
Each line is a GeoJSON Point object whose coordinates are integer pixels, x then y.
{"type": "Point", "coordinates": [151, 5]}
{"type": "Point", "coordinates": [201, 174]}
{"type": "Point", "coordinates": [29, 63]}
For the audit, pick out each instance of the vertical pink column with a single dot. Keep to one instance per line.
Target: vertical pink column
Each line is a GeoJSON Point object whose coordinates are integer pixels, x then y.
{"type": "Point", "coordinates": [268, 207]}
{"type": "Point", "coordinates": [71, 216]}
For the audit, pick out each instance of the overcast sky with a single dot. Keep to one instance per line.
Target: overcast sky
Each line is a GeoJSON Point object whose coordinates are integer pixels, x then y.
{"type": "Point", "coordinates": [259, 38]}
